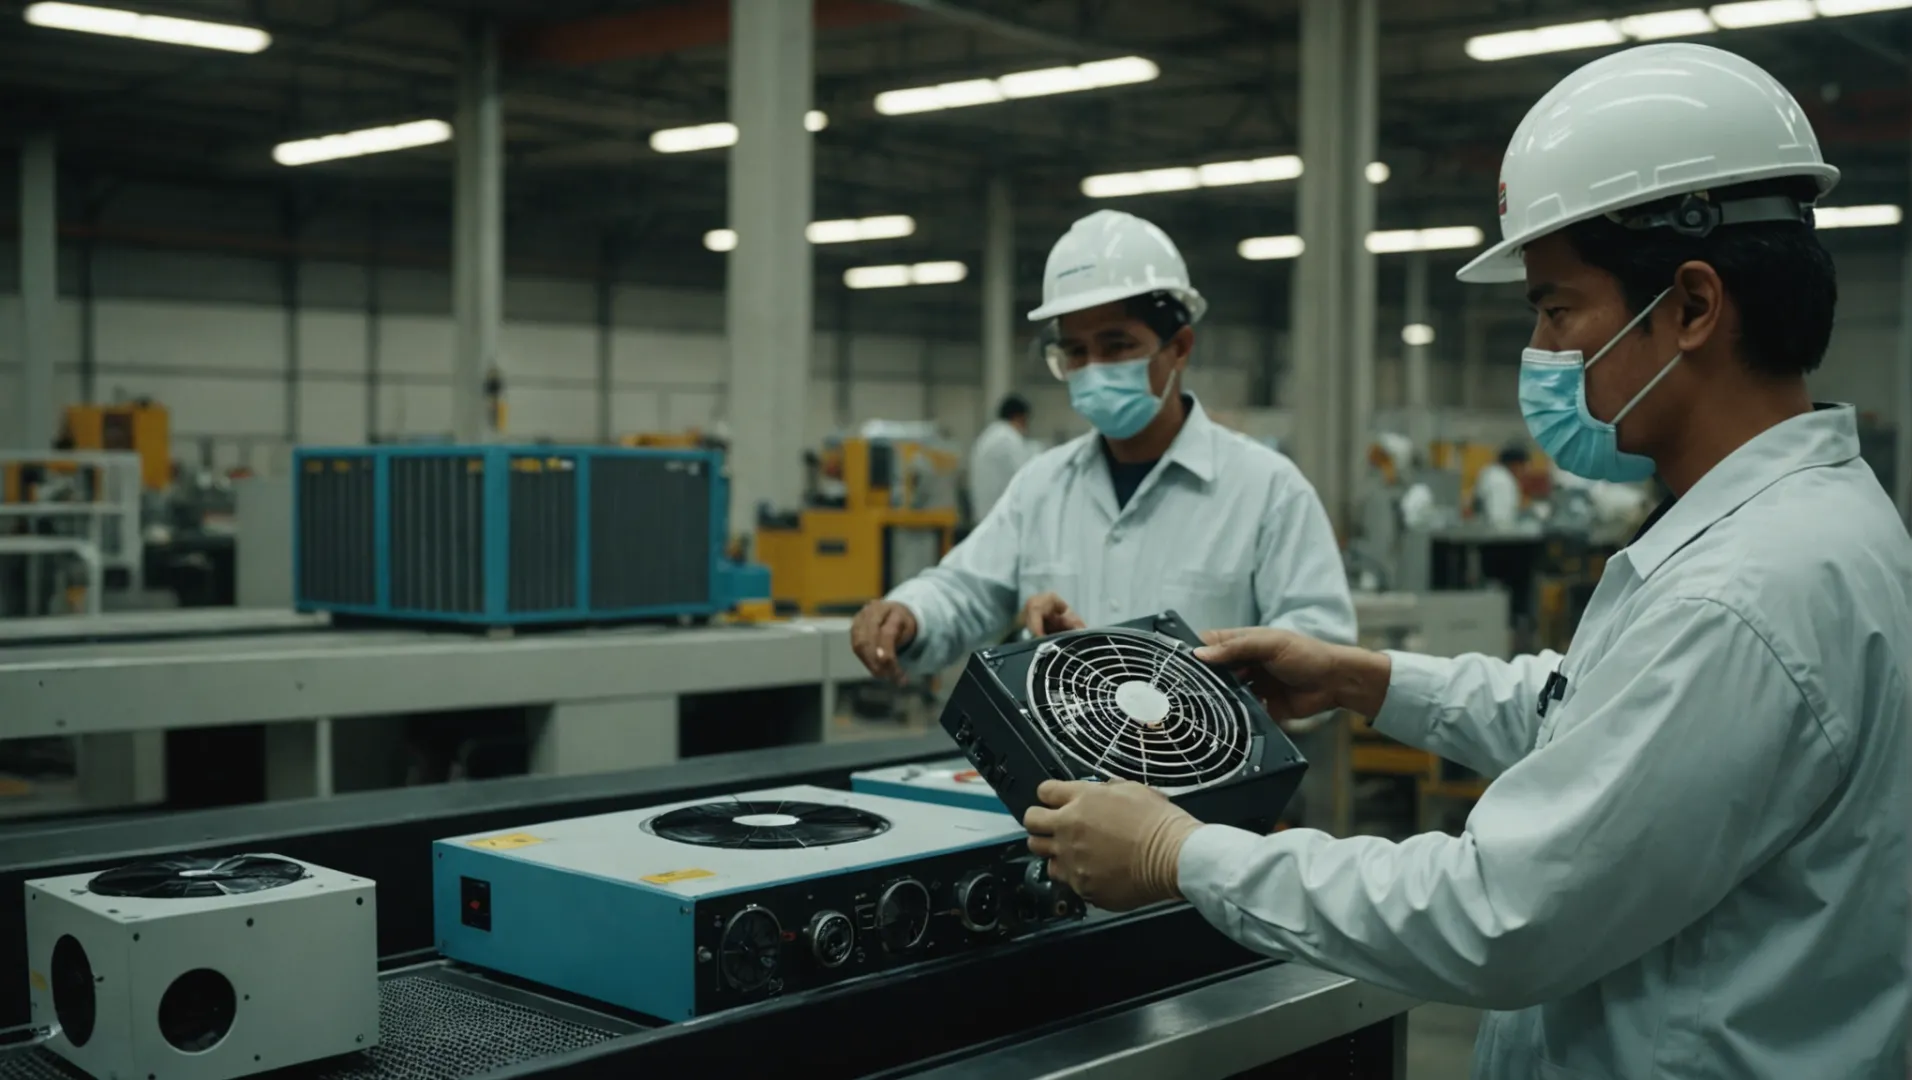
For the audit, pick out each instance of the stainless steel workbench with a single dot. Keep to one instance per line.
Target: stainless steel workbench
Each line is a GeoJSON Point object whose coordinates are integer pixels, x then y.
{"type": "Point", "coordinates": [1221, 1029]}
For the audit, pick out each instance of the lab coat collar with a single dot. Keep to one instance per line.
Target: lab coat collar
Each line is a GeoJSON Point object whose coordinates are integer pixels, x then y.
{"type": "Point", "coordinates": [1829, 435]}
{"type": "Point", "coordinates": [1193, 448]}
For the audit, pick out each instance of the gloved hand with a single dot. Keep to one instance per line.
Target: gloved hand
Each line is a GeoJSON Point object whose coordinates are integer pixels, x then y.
{"type": "Point", "coordinates": [1117, 844]}
{"type": "Point", "coordinates": [1297, 677]}
{"type": "Point", "coordinates": [1047, 613]}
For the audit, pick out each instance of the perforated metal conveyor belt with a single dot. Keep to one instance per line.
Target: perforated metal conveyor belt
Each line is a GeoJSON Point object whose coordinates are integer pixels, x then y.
{"type": "Point", "coordinates": [434, 1025]}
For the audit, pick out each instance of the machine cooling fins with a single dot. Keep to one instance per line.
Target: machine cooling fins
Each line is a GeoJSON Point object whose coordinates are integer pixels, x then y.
{"type": "Point", "coordinates": [194, 877]}
{"type": "Point", "coordinates": [763, 826]}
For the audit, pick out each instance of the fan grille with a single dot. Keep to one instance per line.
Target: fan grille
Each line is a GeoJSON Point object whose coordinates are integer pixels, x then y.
{"type": "Point", "coordinates": [1132, 706]}
{"type": "Point", "coordinates": [766, 825]}
{"type": "Point", "coordinates": [193, 877]}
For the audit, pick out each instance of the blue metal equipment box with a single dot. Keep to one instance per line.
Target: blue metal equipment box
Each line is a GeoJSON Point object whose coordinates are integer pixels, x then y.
{"type": "Point", "coordinates": [511, 535]}
{"type": "Point", "coordinates": [949, 783]}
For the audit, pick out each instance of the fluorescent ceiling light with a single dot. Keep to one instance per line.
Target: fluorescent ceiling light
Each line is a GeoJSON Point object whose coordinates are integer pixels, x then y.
{"type": "Point", "coordinates": [851, 230]}
{"type": "Point", "coordinates": [1856, 217]}
{"type": "Point", "coordinates": [1832, 9]}
{"type": "Point", "coordinates": [1263, 248]}
{"type": "Point", "coordinates": [351, 144]}
{"type": "Point", "coordinates": [842, 231]}
{"type": "Point", "coordinates": [161, 28]}
{"type": "Point", "coordinates": [1761, 13]}
{"type": "Point", "coordinates": [1214, 174]}
{"type": "Point", "coordinates": [1095, 75]}
{"type": "Point", "coordinates": [685, 140]}
{"type": "Point", "coordinates": [890, 277]}
{"type": "Point", "coordinates": [1545, 39]}
{"type": "Point", "coordinates": [1417, 334]}
{"type": "Point", "coordinates": [1393, 241]}
{"type": "Point", "coordinates": [1687, 22]}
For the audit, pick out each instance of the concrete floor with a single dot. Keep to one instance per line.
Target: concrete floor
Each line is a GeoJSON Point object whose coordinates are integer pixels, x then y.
{"type": "Point", "coordinates": [1440, 1042]}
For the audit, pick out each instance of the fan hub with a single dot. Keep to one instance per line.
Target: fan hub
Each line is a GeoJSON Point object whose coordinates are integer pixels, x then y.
{"type": "Point", "coordinates": [767, 821]}
{"type": "Point", "coordinates": [1142, 703]}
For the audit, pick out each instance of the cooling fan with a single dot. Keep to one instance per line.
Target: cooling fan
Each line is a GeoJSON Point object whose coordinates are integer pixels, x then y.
{"type": "Point", "coordinates": [191, 878]}
{"type": "Point", "coordinates": [761, 826]}
{"type": "Point", "coordinates": [1128, 702]}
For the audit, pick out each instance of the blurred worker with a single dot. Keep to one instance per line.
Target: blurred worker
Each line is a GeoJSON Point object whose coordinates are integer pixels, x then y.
{"type": "Point", "coordinates": [1000, 452]}
{"type": "Point", "coordinates": [1693, 862]}
{"type": "Point", "coordinates": [1497, 488]}
{"type": "Point", "coordinates": [1158, 508]}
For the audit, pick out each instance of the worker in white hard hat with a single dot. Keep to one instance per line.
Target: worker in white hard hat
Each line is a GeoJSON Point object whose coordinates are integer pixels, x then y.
{"type": "Point", "coordinates": [1693, 860]}
{"type": "Point", "coordinates": [1158, 508]}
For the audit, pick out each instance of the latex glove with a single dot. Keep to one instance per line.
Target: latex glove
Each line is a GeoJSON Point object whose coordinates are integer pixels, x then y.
{"type": "Point", "coordinates": [1047, 613]}
{"type": "Point", "coordinates": [881, 630]}
{"type": "Point", "coordinates": [1297, 677]}
{"type": "Point", "coordinates": [1117, 844]}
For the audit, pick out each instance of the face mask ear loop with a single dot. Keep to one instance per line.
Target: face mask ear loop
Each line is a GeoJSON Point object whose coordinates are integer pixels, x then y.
{"type": "Point", "coordinates": [1648, 388]}
{"type": "Point", "coordinates": [1628, 328]}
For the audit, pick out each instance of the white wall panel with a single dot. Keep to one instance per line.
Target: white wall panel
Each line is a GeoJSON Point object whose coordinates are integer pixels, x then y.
{"type": "Point", "coordinates": [680, 410]}
{"type": "Point", "coordinates": [211, 405]}
{"type": "Point", "coordinates": [667, 357]}
{"type": "Point", "coordinates": [537, 412]}
{"type": "Point", "coordinates": [415, 345]}
{"type": "Point", "coordinates": [332, 412]}
{"type": "Point", "coordinates": [415, 408]}
{"type": "Point", "coordinates": [187, 337]}
{"type": "Point", "coordinates": [635, 411]}
{"type": "Point", "coordinates": [332, 341]}
{"type": "Point", "coordinates": [542, 351]}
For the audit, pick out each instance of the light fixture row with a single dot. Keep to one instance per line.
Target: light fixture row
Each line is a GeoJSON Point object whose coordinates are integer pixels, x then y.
{"type": "Point", "coordinates": [839, 231]}
{"type": "Point", "coordinates": [1657, 25]}
{"type": "Point", "coordinates": [1263, 170]}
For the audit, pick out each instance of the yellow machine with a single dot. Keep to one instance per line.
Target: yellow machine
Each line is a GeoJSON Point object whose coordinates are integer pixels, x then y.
{"type": "Point", "coordinates": [878, 511]}
{"type": "Point", "coordinates": [666, 440]}
{"type": "Point", "coordinates": [139, 426]}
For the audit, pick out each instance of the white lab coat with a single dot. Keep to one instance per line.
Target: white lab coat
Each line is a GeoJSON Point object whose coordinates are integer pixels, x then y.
{"type": "Point", "coordinates": [1499, 494]}
{"type": "Point", "coordinates": [1224, 531]}
{"type": "Point", "coordinates": [999, 453]}
{"type": "Point", "coordinates": [1694, 865]}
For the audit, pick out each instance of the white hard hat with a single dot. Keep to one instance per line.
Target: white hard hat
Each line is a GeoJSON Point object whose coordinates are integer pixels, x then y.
{"type": "Point", "coordinates": [1641, 125]}
{"type": "Point", "coordinates": [1110, 256]}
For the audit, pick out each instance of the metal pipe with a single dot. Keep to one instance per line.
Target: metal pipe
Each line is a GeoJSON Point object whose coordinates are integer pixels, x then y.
{"type": "Point", "coordinates": [478, 241]}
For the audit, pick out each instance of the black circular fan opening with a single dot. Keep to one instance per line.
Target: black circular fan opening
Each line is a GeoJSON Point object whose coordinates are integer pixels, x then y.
{"type": "Point", "coordinates": [193, 877]}
{"type": "Point", "coordinates": [197, 1011]}
{"type": "Point", "coordinates": [1132, 706]}
{"type": "Point", "coordinates": [763, 825]}
{"type": "Point", "coordinates": [751, 948]}
{"type": "Point", "coordinates": [75, 1005]}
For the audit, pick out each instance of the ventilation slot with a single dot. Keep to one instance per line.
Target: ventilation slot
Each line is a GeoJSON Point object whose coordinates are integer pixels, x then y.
{"type": "Point", "coordinates": [335, 531]}
{"type": "Point", "coordinates": [544, 534]}
{"type": "Point", "coordinates": [438, 546]}
{"type": "Point", "coordinates": [650, 533]}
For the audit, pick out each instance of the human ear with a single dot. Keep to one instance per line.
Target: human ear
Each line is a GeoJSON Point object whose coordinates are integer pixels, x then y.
{"type": "Point", "coordinates": [1698, 300]}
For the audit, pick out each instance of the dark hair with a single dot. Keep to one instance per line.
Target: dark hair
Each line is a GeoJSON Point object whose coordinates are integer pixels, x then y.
{"type": "Point", "coordinates": [1158, 311]}
{"type": "Point", "coordinates": [1777, 272]}
{"type": "Point", "coordinates": [1514, 455]}
{"type": "Point", "coordinates": [1011, 408]}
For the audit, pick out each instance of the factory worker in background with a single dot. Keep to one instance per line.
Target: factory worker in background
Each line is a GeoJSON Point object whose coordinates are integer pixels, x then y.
{"type": "Point", "coordinates": [1159, 507]}
{"type": "Point", "coordinates": [1497, 488]}
{"type": "Point", "coordinates": [1001, 451]}
{"type": "Point", "coordinates": [1693, 862]}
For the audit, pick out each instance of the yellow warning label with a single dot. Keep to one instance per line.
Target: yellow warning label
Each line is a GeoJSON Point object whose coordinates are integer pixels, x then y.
{"type": "Point", "coordinates": [37, 980]}
{"type": "Point", "coordinates": [672, 877]}
{"type": "Point", "coordinates": [507, 841]}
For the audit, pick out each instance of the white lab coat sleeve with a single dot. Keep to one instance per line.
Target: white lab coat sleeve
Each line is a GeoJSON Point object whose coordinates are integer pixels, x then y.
{"type": "Point", "coordinates": [1477, 710]}
{"type": "Point", "coordinates": [967, 600]}
{"type": "Point", "coordinates": [1301, 584]}
{"type": "Point", "coordinates": [1687, 759]}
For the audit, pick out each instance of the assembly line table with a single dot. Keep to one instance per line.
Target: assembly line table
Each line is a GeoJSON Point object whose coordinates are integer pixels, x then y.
{"type": "Point", "coordinates": [603, 698]}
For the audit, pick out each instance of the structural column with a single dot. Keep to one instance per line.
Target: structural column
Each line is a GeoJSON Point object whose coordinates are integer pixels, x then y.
{"type": "Point", "coordinates": [39, 294]}
{"type": "Point", "coordinates": [1902, 419]}
{"type": "Point", "coordinates": [1417, 355]}
{"type": "Point", "coordinates": [1333, 291]}
{"type": "Point", "coordinates": [478, 240]}
{"type": "Point", "coordinates": [768, 302]}
{"type": "Point", "coordinates": [999, 296]}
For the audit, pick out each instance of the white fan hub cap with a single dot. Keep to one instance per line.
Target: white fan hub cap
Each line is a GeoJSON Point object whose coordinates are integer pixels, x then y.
{"type": "Point", "coordinates": [1141, 702]}
{"type": "Point", "coordinates": [767, 821]}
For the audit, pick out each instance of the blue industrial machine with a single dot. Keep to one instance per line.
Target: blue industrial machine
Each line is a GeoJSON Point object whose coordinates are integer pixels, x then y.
{"type": "Point", "coordinates": [513, 535]}
{"type": "Point", "coordinates": [950, 783]}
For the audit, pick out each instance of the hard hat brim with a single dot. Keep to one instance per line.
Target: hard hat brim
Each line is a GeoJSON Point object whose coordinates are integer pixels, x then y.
{"type": "Point", "coordinates": [1094, 298]}
{"type": "Point", "coordinates": [1502, 262]}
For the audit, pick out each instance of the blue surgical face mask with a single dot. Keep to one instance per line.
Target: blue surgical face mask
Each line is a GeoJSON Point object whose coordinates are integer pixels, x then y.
{"type": "Point", "coordinates": [1116, 397]}
{"type": "Point", "coordinates": [1553, 399]}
